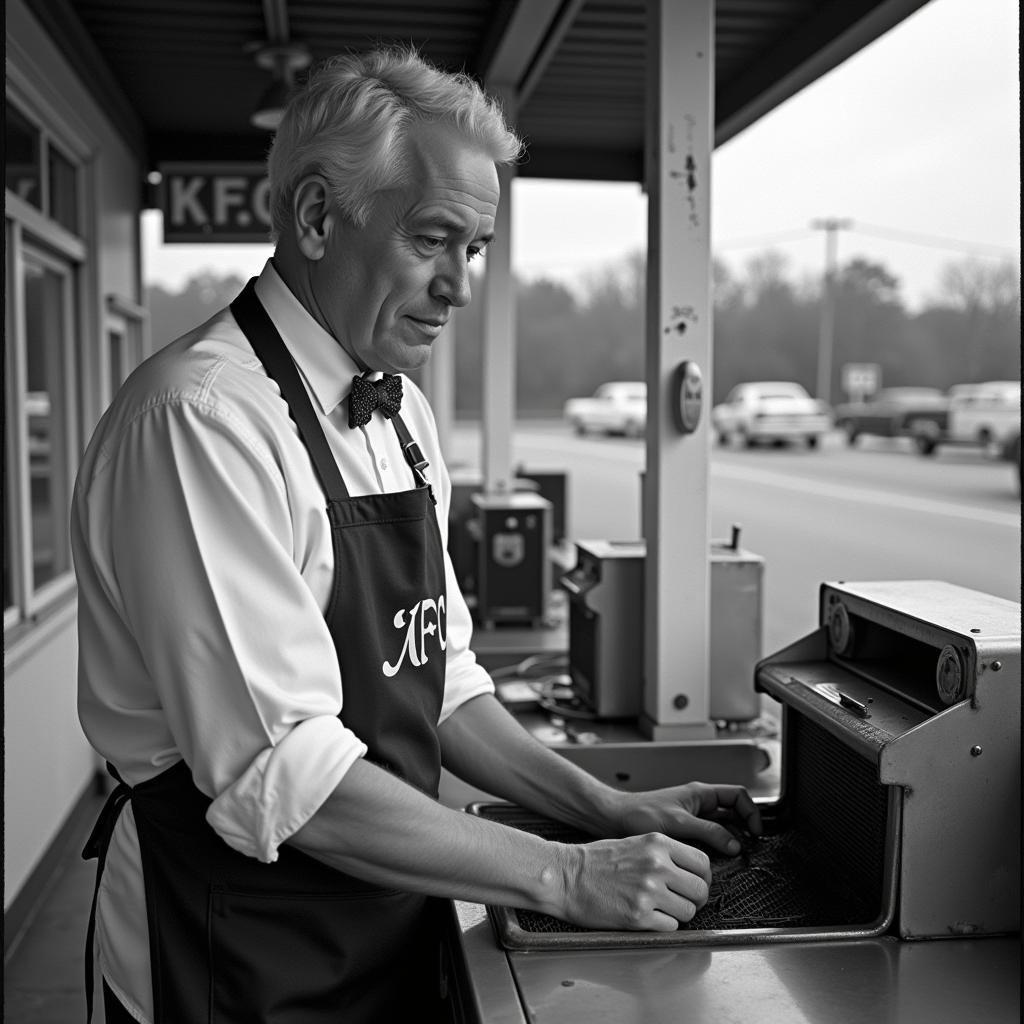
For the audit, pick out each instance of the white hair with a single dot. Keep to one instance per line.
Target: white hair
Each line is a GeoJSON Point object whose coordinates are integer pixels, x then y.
{"type": "Point", "coordinates": [349, 122]}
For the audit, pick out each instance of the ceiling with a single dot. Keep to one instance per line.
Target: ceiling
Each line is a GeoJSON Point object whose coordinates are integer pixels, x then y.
{"type": "Point", "coordinates": [179, 78]}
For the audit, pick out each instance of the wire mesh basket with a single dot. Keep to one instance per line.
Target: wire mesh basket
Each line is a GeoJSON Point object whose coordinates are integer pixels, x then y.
{"type": "Point", "coordinates": [781, 880]}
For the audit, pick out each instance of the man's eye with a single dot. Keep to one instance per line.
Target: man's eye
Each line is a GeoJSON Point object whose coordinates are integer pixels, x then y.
{"type": "Point", "coordinates": [473, 251]}
{"type": "Point", "coordinates": [431, 243]}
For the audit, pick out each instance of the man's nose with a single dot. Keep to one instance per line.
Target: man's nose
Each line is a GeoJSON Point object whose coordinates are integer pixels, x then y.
{"type": "Point", "coordinates": [451, 282]}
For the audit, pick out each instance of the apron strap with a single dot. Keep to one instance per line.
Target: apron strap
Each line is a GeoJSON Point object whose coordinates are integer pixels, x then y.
{"type": "Point", "coordinates": [96, 846]}
{"type": "Point", "coordinates": [413, 455]}
{"type": "Point", "coordinates": [273, 354]}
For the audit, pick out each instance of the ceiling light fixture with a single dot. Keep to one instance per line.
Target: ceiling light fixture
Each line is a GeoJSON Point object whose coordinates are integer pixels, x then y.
{"type": "Point", "coordinates": [283, 61]}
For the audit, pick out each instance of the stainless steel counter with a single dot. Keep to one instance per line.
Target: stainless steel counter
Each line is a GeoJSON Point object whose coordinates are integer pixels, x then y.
{"type": "Point", "coordinates": [876, 981]}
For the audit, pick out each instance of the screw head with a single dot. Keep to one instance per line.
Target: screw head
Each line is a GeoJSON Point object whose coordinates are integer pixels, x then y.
{"type": "Point", "coordinates": [976, 751]}
{"type": "Point", "coordinates": [680, 701]}
{"type": "Point", "coordinates": [996, 666]}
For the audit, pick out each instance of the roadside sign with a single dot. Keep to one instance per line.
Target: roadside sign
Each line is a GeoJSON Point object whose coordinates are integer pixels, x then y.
{"type": "Point", "coordinates": [861, 379]}
{"type": "Point", "coordinates": [215, 202]}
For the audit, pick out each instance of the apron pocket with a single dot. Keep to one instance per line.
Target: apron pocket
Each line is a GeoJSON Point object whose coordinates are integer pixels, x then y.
{"type": "Point", "coordinates": [287, 958]}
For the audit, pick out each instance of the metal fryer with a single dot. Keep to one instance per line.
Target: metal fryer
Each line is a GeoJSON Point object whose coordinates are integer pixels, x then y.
{"type": "Point", "coordinates": [899, 808]}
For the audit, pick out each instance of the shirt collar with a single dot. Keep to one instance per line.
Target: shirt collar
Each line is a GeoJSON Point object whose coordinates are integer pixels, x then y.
{"type": "Point", "coordinates": [327, 367]}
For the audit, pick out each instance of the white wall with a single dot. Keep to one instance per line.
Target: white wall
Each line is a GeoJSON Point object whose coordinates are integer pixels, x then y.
{"type": "Point", "coordinates": [47, 761]}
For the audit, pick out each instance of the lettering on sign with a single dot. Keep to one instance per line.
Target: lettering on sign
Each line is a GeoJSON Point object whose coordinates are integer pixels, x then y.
{"type": "Point", "coordinates": [215, 202]}
{"type": "Point", "coordinates": [861, 379]}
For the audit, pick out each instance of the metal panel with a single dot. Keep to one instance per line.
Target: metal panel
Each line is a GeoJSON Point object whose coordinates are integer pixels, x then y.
{"type": "Point", "coordinates": [499, 344]}
{"type": "Point", "coordinates": [841, 983]}
{"type": "Point", "coordinates": [676, 652]}
{"type": "Point", "coordinates": [962, 816]}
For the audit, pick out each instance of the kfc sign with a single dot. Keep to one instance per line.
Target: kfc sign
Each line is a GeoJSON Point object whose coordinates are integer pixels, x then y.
{"type": "Point", "coordinates": [215, 202]}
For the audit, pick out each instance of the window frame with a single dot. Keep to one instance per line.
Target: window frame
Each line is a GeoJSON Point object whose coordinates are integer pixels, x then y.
{"type": "Point", "coordinates": [131, 322]}
{"type": "Point", "coordinates": [34, 239]}
{"type": "Point", "coordinates": [32, 597]}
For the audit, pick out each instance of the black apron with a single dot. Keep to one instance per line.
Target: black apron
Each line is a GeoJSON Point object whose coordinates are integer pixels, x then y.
{"type": "Point", "coordinates": [296, 942]}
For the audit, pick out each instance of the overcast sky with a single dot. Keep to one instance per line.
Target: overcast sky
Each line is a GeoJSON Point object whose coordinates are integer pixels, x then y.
{"type": "Point", "coordinates": [915, 139]}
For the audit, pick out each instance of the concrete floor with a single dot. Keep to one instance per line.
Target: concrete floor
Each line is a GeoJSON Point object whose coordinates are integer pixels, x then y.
{"type": "Point", "coordinates": [44, 973]}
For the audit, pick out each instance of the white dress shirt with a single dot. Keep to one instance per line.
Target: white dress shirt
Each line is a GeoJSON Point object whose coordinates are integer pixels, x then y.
{"type": "Point", "coordinates": [204, 561]}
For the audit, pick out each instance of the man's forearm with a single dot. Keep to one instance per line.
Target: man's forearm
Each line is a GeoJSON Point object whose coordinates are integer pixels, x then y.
{"type": "Point", "coordinates": [379, 829]}
{"type": "Point", "coordinates": [486, 747]}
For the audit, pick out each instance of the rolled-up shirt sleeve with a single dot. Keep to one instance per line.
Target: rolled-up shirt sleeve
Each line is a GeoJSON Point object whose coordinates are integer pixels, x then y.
{"type": "Point", "coordinates": [208, 572]}
{"type": "Point", "coordinates": [284, 786]}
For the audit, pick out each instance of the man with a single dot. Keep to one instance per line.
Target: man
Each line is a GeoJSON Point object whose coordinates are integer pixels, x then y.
{"type": "Point", "coordinates": [275, 654]}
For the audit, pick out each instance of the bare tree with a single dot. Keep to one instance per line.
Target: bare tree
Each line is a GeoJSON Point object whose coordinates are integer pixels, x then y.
{"type": "Point", "coordinates": [987, 294]}
{"type": "Point", "coordinates": [973, 284]}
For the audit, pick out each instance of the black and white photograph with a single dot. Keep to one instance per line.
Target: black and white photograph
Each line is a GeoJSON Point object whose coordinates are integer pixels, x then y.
{"type": "Point", "coordinates": [512, 512]}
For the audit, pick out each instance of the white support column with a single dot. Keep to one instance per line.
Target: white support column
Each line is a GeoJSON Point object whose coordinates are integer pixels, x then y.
{"type": "Point", "coordinates": [499, 341]}
{"type": "Point", "coordinates": [676, 527]}
{"type": "Point", "coordinates": [440, 383]}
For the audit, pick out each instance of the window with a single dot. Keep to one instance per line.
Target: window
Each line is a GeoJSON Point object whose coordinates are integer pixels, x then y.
{"type": "Point", "coordinates": [24, 165]}
{"type": "Point", "coordinates": [125, 330]}
{"type": "Point", "coordinates": [10, 454]}
{"type": "Point", "coordinates": [63, 189]}
{"type": "Point", "coordinates": [47, 317]}
{"type": "Point", "coordinates": [43, 261]}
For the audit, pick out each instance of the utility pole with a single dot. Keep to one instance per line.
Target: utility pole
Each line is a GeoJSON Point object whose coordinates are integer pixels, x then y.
{"type": "Point", "coordinates": [826, 332]}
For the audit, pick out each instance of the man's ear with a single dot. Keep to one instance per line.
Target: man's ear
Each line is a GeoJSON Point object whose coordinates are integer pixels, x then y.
{"type": "Point", "coordinates": [313, 216]}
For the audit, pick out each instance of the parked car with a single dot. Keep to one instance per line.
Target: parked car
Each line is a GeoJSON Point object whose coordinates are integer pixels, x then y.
{"type": "Point", "coordinates": [771, 411]}
{"type": "Point", "coordinates": [890, 412]}
{"type": "Point", "coordinates": [1010, 451]}
{"type": "Point", "coordinates": [618, 407]}
{"type": "Point", "coordinates": [984, 415]}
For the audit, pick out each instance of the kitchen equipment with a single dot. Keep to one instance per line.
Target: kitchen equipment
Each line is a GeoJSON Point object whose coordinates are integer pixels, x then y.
{"type": "Point", "coordinates": [899, 807]}
{"type": "Point", "coordinates": [606, 627]}
{"type": "Point", "coordinates": [513, 563]}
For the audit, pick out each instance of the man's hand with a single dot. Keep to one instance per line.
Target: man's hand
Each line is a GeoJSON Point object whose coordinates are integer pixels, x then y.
{"type": "Point", "coordinates": [695, 812]}
{"type": "Point", "coordinates": [647, 883]}
{"type": "Point", "coordinates": [652, 879]}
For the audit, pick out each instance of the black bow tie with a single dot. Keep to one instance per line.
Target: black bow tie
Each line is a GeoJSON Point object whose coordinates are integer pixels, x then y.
{"type": "Point", "coordinates": [366, 395]}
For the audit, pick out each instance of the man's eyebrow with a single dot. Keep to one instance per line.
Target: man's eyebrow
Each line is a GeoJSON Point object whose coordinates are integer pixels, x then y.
{"type": "Point", "coordinates": [443, 220]}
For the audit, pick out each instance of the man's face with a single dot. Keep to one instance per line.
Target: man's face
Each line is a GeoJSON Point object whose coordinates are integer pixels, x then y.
{"type": "Point", "coordinates": [385, 291]}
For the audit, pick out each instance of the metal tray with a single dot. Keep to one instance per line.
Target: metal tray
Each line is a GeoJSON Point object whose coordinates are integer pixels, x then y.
{"type": "Point", "coordinates": [777, 889]}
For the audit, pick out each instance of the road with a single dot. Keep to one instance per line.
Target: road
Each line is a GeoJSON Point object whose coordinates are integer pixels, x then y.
{"type": "Point", "coordinates": [877, 511]}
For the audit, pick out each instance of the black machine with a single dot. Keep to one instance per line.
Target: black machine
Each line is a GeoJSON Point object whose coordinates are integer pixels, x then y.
{"type": "Point", "coordinates": [513, 558]}
{"type": "Point", "coordinates": [466, 524]}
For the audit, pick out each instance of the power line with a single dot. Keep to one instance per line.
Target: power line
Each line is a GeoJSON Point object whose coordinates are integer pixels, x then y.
{"type": "Point", "coordinates": [771, 239]}
{"type": "Point", "coordinates": [931, 241]}
{"type": "Point", "coordinates": [875, 231]}
{"type": "Point", "coordinates": [855, 227]}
